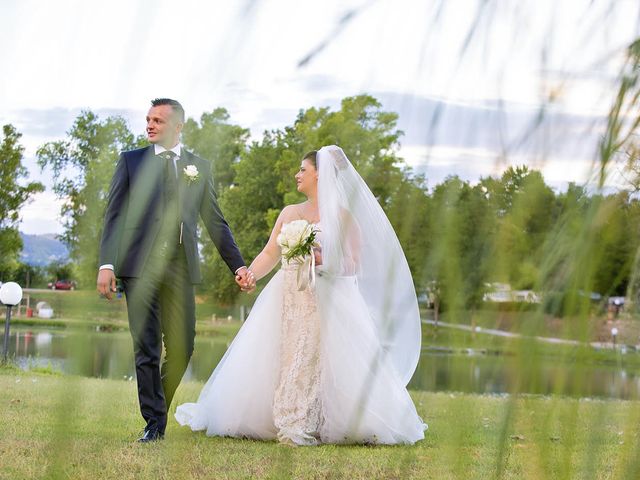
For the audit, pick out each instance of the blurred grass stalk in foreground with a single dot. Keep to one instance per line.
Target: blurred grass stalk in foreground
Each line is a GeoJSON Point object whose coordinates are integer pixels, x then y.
{"type": "Point", "coordinates": [564, 261]}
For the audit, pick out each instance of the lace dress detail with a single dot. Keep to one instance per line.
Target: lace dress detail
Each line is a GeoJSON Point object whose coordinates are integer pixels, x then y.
{"type": "Point", "coordinates": [297, 408]}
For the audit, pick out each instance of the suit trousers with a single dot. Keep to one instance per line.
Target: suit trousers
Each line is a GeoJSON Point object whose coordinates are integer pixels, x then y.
{"type": "Point", "coordinates": [161, 309]}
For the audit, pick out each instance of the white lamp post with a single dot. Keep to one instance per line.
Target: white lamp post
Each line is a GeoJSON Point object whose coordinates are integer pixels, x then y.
{"type": "Point", "coordinates": [614, 335]}
{"type": "Point", "coordinates": [10, 295]}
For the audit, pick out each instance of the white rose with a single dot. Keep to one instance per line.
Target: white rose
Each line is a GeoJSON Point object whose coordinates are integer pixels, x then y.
{"type": "Point", "coordinates": [191, 172]}
{"type": "Point", "coordinates": [293, 233]}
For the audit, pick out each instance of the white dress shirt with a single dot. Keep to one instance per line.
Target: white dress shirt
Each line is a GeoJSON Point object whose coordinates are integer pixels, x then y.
{"type": "Point", "coordinates": [158, 149]}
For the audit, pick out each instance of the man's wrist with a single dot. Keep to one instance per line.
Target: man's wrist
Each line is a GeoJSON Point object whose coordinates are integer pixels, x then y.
{"type": "Point", "coordinates": [236, 272]}
{"type": "Point", "coordinates": [106, 266]}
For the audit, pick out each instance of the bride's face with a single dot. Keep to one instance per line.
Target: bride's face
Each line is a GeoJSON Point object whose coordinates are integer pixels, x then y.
{"type": "Point", "coordinates": [307, 178]}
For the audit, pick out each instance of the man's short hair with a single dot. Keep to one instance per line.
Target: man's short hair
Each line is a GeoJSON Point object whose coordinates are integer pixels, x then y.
{"type": "Point", "coordinates": [175, 105]}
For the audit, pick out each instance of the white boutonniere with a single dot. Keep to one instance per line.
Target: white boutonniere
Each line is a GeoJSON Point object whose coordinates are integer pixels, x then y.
{"type": "Point", "coordinates": [191, 173]}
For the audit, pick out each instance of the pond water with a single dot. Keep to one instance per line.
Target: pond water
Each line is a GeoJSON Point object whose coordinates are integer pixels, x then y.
{"type": "Point", "coordinates": [109, 355]}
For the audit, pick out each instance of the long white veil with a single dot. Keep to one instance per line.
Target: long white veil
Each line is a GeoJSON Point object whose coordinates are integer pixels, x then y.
{"type": "Point", "coordinates": [357, 238]}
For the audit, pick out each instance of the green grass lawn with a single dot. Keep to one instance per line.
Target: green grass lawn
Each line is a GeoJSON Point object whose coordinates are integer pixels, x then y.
{"type": "Point", "coordinates": [55, 426]}
{"type": "Point", "coordinates": [62, 426]}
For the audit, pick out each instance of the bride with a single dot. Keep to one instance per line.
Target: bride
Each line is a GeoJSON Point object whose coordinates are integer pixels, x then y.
{"type": "Point", "coordinates": [327, 351]}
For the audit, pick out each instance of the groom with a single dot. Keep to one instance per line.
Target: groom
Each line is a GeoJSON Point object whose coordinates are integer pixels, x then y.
{"type": "Point", "coordinates": [149, 241]}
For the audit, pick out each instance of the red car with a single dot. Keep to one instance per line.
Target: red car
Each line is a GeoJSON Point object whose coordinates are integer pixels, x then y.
{"type": "Point", "coordinates": [64, 285]}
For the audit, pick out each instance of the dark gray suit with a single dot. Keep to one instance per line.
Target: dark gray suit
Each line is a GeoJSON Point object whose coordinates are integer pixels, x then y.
{"type": "Point", "coordinates": [151, 240]}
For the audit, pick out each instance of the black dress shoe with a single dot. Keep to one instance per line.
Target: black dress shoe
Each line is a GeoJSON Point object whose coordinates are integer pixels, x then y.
{"type": "Point", "coordinates": [151, 435]}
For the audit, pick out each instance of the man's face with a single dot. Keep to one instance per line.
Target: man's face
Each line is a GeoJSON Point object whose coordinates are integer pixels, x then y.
{"type": "Point", "coordinates": [163, 126]}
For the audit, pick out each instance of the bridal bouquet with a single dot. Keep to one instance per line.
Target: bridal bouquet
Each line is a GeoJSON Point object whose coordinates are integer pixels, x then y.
{"type": "Point", "coordinates": [297, 239]}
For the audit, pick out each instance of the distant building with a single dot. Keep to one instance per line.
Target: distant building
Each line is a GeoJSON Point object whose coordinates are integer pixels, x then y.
{"type": "Point", "coordinates": [502, 293]}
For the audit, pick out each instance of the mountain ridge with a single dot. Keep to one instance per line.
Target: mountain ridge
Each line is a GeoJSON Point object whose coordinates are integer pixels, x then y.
{"type": "Point", "coordinates": [39, 250]}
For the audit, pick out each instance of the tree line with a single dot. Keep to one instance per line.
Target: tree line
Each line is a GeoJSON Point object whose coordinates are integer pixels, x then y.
{"type": "Point", "coordinates": [458, 236]}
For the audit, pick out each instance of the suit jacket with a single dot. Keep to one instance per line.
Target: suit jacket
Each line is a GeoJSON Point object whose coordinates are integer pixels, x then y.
{"type": "Point", "coordinates": [135, 207]}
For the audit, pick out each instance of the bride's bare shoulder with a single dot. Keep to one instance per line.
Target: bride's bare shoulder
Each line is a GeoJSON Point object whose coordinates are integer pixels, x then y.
{"type": "Point", "coordinates": [290, 212]}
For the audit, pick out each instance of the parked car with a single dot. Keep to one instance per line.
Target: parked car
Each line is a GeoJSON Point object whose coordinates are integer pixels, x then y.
{"type": "Point", "coordinates": [64, 285]}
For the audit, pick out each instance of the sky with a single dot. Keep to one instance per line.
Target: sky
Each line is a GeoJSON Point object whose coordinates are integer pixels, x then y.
{"type": "Point", "coordinates": [468, 78]}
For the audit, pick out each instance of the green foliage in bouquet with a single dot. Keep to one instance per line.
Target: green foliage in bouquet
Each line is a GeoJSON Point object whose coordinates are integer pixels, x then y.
{"type": "Point", "coordinates": [302, 249]}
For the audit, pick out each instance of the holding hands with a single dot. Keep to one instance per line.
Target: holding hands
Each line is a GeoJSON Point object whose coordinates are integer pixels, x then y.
{"type": "Point", "coordinates": [245, 279]}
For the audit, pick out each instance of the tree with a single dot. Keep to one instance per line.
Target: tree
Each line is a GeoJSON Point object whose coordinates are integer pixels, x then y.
{"type": "Point", "coordinates": [524, 206]}
{"type": "Point", "coordinates": [222, 143]}
{"type": "Point", "coordinates": [412, 224]}
{"type": "Point", "coordinates": [618, 239]}
{"type": "Point", "coordinates": [218, 141]}
{"type": "Point", "coordinates": [13, 196]}
{"type": "Point", "coordinates": [58, 270]}
{"type": "Point", "coordinates": [250, 207]}
{"type": "Point", "coordinates": [264, 182]}
{"type": "Point", "coordinates": [365, 132]}
{"type": "Point", "coordinates": [30, 276]}
{"type": "Point", "coordinates": [461, 228]}
{"type": "Point", "coordinates": [82, 167]}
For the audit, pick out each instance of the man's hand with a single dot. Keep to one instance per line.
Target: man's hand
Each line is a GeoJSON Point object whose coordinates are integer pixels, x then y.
{"type": "Point", "coordinates": [106, 283]}
{"type": "Point", "coordinates": [245, 279]}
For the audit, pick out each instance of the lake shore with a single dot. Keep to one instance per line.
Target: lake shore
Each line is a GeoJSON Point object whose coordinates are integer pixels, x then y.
{"type": "Point", "coordinates": [83, 308]}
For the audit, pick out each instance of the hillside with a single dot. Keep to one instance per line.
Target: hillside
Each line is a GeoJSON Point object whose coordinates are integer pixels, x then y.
{"type": "Point", "coordinates": [41, 250]}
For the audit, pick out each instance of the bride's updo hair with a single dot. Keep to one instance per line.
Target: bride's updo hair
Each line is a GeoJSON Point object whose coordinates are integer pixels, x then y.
{"type": "Point", "coordinates": [312, 156]}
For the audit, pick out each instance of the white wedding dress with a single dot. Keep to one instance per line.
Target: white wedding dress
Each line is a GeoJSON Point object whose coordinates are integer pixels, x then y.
{"type": "Point", "coordinates": [310, 367]}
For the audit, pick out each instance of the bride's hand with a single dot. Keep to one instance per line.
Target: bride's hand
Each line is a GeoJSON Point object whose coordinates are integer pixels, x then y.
{"type": "Point", "coordinates": [246, 280]}
{"type": "Point", "coordinates": [317, 253]}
